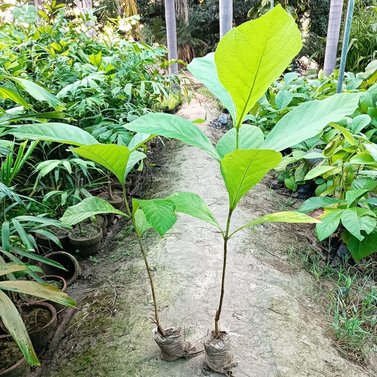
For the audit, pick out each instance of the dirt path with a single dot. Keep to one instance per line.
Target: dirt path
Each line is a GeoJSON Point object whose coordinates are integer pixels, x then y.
{"type": "Point", "coordinates": [276, 326]}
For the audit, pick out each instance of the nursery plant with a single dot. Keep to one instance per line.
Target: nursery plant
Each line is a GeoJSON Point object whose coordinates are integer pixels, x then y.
{"type": "Point", "coordinates": [158, 214]}
{"type": "Point", "coordinates": [247, 61]}
{"type": "Point", "coordinates": [9, 313]}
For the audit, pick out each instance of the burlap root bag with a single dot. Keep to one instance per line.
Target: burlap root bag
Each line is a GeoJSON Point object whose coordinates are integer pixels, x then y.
{"type": "Point", "coordinates": [173, 345]}
{"type": "Point", "coordinates": [218, 355]}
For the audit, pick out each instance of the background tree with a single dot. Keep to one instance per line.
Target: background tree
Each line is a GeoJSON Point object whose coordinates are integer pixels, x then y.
{"type": "Point", "coordinates": [171, 33]}
{"type": "Point", "coordinates": [335, 20]}
{"type": "Point", "coordinates": [226, 16]}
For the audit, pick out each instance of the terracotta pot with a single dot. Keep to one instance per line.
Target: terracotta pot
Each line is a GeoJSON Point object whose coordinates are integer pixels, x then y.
{"type": "Point", "coordinates": [68, 261]}
{"type": "Point", "coordinates": [86, 245]}
{"type": "Point", "coordinates": [20, 369]}
{"type": "Point", "coordinates": [116, 200]}
{"type": "Point", "coordinates": [41, 336]}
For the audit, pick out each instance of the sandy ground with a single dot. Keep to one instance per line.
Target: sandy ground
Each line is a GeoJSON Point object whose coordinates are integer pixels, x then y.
{"type": "Point", "coordinates": [277, 325]}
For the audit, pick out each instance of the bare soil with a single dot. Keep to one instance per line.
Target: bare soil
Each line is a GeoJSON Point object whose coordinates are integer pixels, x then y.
{"type": "Point", "coordinates": [10, 353]}
{"type": "Point", "coordinates": [276, 322]}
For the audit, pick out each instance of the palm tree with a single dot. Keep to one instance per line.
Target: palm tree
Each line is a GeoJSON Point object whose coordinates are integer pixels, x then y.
{"type": "Point", "coordinates": [171, 33]}
{"type": "Point", "coordinates": [335, 19]}
{"type": "Point", "coordinates": [225, 16]}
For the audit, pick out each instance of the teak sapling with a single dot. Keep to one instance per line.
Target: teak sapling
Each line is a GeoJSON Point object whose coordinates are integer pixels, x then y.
{"type": "Point", "coordinates": [157, 214]}
{"type": "Point", "coordinates": [247, 61]}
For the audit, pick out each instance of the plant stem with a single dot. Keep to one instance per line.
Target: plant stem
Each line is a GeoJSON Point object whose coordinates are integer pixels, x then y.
{"type": "Point", "coordinates": [156, 317]}
{"type": "Point", "coordinates": [226, 238]}
{"type": "Point", "coordinates": [237, 136]}
{"type": "Point", "coordinates": [151, 283]}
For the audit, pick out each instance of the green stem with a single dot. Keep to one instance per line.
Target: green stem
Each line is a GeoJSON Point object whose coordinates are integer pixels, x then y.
{"type": "Point", "coordinates": [150, 277]}
{"type": "Point", "coordinates": [226, 238]}
{"type": "Point", "coordinates": [151, 283]}
{"type": "Point", "coordinates": [237, 136]}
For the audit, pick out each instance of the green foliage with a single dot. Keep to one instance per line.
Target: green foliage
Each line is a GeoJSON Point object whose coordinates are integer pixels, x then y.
{"type": "Point", "coordinates": [8, 311]}
{"type": "Point", "coordinates": [275, 40]}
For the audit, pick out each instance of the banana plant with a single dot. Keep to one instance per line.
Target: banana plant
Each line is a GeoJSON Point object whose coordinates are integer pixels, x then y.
{"type": "Point", "coordinates": [9, 314]}
{"type": "Point", "coordinates": [246, 62]}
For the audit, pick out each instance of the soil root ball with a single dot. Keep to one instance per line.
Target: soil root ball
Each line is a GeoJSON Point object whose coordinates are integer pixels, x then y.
{"type": "Point", "coordinates": [218, 355]}
{"type": "Point", "coordinates": [172, 345]}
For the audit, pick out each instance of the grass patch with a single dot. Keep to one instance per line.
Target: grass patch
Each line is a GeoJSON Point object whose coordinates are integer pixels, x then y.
{"type": "Point", "coordinates": [352, 301]}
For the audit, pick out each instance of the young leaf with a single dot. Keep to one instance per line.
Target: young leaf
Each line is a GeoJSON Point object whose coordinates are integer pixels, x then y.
{"type": "Point", "coordinates": [140, 222]}
{"type": "Point", "coordinates": [159, 213]}
{"type": "Point", "coordinates": [250, 57]}
{"type": "Point", "coordinates": [250, 137]}
{"type": "Point", "coordinates": [329, 224]}
{"type": "Point", "coordinates": [110, 156]}
{"type": "Point", "coordinates": [243, 169]}
{"type": "Point", "coordinates": [87, 208]}
{"type": "Point", "coordinates": [318, 202]}
{"type": "Point", "coordinates": [134, 158]}
{"type": "Point", "coordinates": [173, 127]}
{"type": "Point", "coordinates": [204, 69]}
{"type": "Point", "coordinates": [15, 325]}
{"type": "Point", "coordinates": [280, 217]}
{"type": "Point", "coordinates": [138, 140]}
{"type": "Point", "coordinates": [54, 132]}
{"type": "Point", "coordinates": [319, 170]}
{"type": "Point", "coordinates": [193, 205]}
{"type": "Point", "coordinates": [308, 119]}
{"type": "Point", "coordinates": [351, 222]}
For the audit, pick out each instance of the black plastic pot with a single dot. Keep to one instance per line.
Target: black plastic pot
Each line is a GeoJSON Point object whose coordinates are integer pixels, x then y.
{"type": "Point", "coordinates": [40, 337]}
{"type": "Point", "coordinates": [68, 261]}
{"type": "Point", "coordinates": [86, 245]}
{"type": "Point", "coordinates": [21, 368]}
{"type": "Point", "coordinates": [45, 245]}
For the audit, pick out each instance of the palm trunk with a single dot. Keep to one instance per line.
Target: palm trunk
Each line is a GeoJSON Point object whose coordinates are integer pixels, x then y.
{"type": "Point", "coordinates": [225, 16]}
{"type": "Point", "coordinates": [335, 19]}
{"type": "Point", "coordinates": [171, 34]}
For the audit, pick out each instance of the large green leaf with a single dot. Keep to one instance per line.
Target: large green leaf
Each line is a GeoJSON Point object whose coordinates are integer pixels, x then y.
{"type": "Point", "coordinates": [193, 205]}
{"type": "Point", "coordinates": [319, 170]}
{"type": "Point", "coordinates": [280, 217]}
{"type": "Point", "coordinates": [318, 202]}
{"type": "Point", "coordinates": [361, 249]}
{"type": "Point", "coordinates": [308, 119]}
{"type": "Point", "coordinates": [250, 137]}
{"type": "Point", "coordinates": [32, 288]}
{"type": "Point", "coordinates": [250, 57]}
{"type": "Point", "coordinates": [204, 69]}
{"type": "Point", "coordinates": [173, 127]}
{"type": "Point", "coordinates": [56, 132]}
{"type": "Point", "coordinates": [89, 207]}
{"type": "Point", "coordinates": [243, 169]}
{"type": "Point", "coordinates": [355, 223]}
{"type": "Point", "coordinates": [110, 156]}
{"type": "Point", "coordinates": [159, 213]}
{"type": "Point", "coordinates": [14, 324]}
{"type": "Point", "coordinates": [329, 223]}
{"type": "Point", "coordinates": [138, 140]}
{"type": "Point", "coordinates": [37, 92]}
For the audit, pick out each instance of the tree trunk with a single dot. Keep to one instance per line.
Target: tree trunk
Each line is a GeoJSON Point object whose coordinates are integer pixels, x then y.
{"type": "Point", "coordinates": [335, 19]}
{"type": "Point", "coordinates": [182, 9]}
{"type": "Point", "coordinates": [225, 16]}
{"type": "Point", "coordinates": [171, 33]}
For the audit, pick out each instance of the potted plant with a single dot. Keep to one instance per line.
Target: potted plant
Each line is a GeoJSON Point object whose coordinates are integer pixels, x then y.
{"type": "Point", "coordinates": [11, 317]}
{"type": "Point", "coordinates": [246, 62]}
{"type": "Point", "coordinates": [86, 238]}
